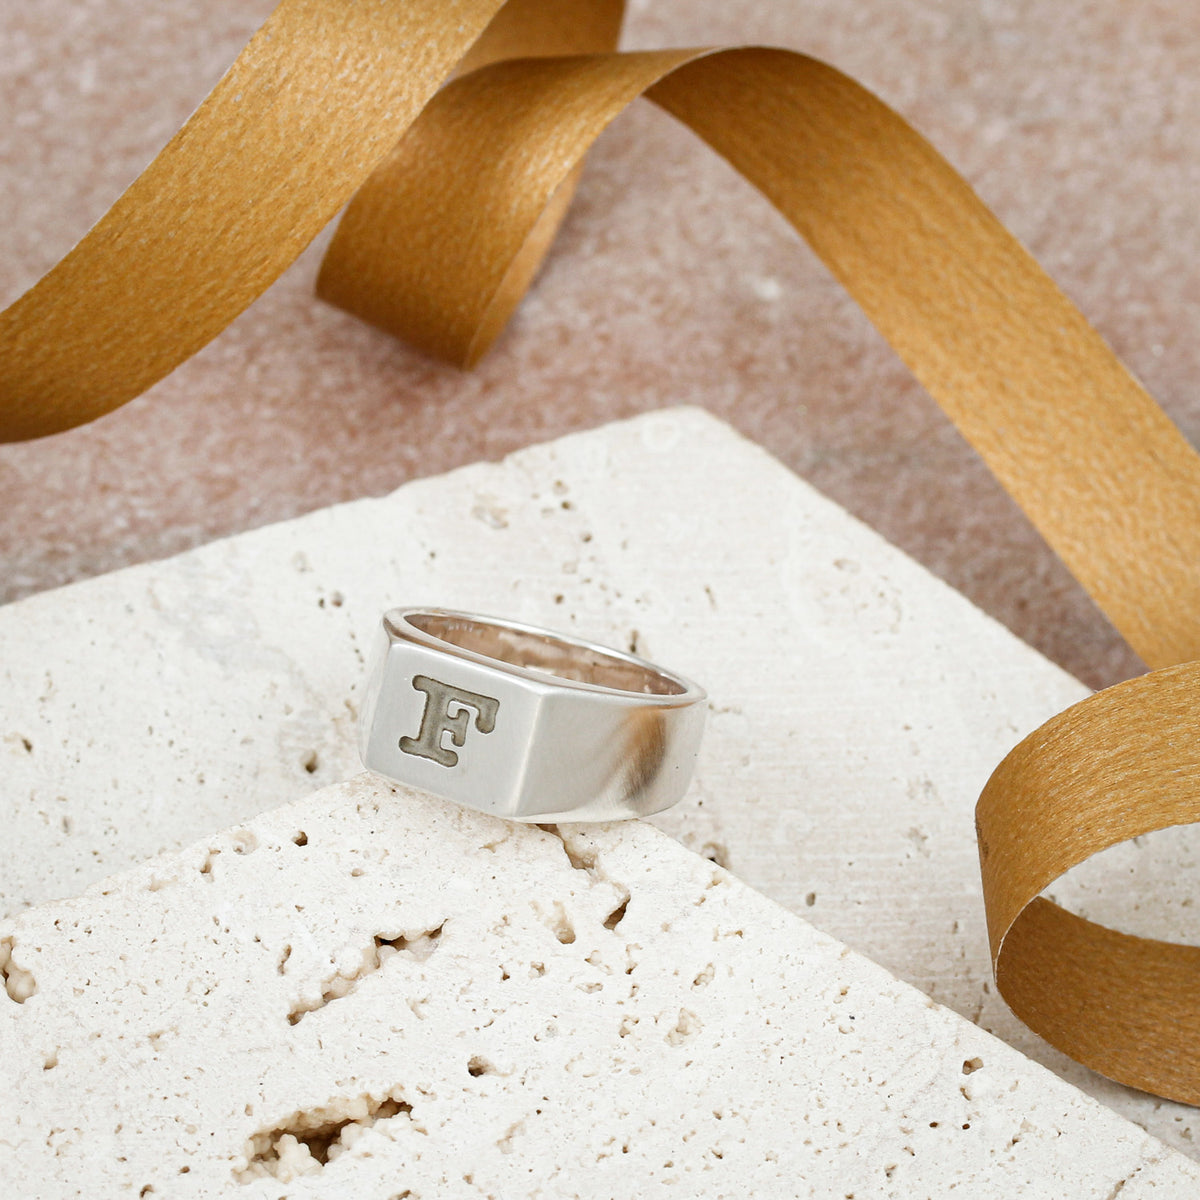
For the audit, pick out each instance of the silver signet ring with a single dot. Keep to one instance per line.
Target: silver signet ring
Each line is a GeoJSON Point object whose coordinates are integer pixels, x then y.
{"type": "Point", "coordinates": [525, 723]}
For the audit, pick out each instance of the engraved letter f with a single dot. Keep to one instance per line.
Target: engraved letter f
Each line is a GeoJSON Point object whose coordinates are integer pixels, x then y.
{"type": "Point", "coordinates": [437, 720]}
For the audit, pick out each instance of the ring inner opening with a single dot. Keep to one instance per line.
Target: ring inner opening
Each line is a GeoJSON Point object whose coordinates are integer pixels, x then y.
{"type": "Point", "coordinates": [547, 654]}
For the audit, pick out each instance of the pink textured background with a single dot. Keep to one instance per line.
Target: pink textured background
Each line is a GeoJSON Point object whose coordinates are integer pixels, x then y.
{"type": "Point", "coordinates": [673, 283]}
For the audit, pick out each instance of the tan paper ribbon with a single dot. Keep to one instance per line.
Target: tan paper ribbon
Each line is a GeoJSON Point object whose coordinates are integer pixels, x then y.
{"type": "Point", "coordinates": [441, 242]}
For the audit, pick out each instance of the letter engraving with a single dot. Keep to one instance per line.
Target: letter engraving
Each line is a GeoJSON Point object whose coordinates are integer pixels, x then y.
{"type": "Point", "coordinates": [437, 719]}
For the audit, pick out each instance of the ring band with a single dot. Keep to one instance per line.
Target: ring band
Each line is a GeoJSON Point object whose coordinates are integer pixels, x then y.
{"type": "Point", "coordinates": [525, 723]}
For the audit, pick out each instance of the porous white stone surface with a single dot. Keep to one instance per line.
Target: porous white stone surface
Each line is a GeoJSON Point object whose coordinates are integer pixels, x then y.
{"type": "Point", "coordinates": [374, 994]}
{"type": "Point", "coordinates": [857, 704]}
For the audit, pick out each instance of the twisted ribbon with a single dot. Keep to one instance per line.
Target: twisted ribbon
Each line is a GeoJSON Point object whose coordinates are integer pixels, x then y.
{"type": "Point", "coordinates": [457, 194]}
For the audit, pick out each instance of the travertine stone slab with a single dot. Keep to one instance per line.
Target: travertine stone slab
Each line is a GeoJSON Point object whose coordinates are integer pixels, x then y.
{"type": "Point", "coordinates": [374, 994]}
{"type": "Point", "coordinates": [858, 704]}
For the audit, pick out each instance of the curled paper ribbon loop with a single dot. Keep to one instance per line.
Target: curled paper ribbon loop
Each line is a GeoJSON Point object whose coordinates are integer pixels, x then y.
{"type": "Point", "coordinates": [446, 235]}
{"type": "Point", "coordinates": [440, 244]}
{"type": "Point", "coordinates": [318, 96]}
{"type": "Point", "coordinates": [1121, 763]}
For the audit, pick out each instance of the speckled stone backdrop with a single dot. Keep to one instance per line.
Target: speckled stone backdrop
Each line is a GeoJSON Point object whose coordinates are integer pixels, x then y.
{"type": "Point", "coordinates": [673, 283]}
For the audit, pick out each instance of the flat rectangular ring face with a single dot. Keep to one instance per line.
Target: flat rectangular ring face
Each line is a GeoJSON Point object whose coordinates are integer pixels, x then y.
{"type": "Point", "coordinates": [449, 726]}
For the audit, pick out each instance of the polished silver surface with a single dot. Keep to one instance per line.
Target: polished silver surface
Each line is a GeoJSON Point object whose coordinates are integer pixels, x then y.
{"type": "Point", "coordinates": [525, 723]}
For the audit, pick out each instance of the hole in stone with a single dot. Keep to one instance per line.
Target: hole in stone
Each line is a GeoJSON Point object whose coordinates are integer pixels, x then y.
{"type": "Point", "coordinates": [810, 899]}
{"type": "Point", "coordinates": [480, 1066]}
{"type": "Point", "coordinates": [27, 744]}
{"type": "Point", "coordinates": [301, 839]}
{"type": "Point", "coordinates": [309, 761]}
{"type": "Point", "coordinates": [244, 842]}
{"type": "Point", "coordinates": [617, 915]}
{"type": "Point", "coordinates": [307, 1141]}
{"type": "Point", "coordinates": [687, 1026]}
{"type": "Point", "coordinates": [971, 1066]}
{"type": "Point", "coordinates": [418, 947]}
{"type": "Point", "coordinates": [581, 860]}
{"type": "Point", "coordinates": [19, 984]}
